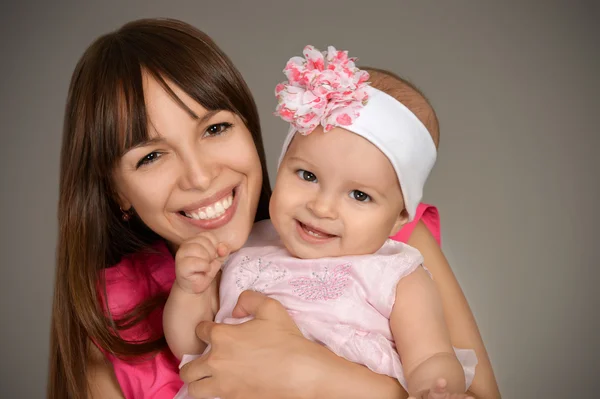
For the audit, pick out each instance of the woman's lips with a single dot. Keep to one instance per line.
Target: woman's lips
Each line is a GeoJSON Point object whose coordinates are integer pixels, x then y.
{"type": "Point", "coordinates": [209, 201]}
{"type": "Point", "coordinates": [213, 215]}
{"type": "Point", "coordinates": [211, 211]}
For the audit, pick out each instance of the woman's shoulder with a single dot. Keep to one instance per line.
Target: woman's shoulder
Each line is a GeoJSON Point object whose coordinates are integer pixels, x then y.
{"type": "Point", "coordinates": [137, 277]}
{"type": "Point", "coordinates": [133, 280]}
{"type": "Point", "coordinates": [429, 215]}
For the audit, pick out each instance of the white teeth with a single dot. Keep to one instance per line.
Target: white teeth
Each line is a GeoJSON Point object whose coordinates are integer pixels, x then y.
{"type": "Point", "coordinates": [315, 234]}
{"type": "Point", "coordinates": [212, 211]}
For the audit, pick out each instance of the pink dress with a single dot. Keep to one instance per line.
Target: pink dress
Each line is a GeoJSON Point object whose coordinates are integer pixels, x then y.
{"type": "Point", "coordinates": [344, 303]}
{"type": "Point", "coordinates": [141, 276]}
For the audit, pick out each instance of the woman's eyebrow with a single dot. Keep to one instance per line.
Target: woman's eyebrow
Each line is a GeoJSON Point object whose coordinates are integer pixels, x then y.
{"type": "Point", "coordinates": [155, 140]}
{"type": "Point", "coordinates": [207, 116]}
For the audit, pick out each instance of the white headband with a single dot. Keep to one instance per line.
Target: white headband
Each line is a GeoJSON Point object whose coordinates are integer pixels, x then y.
{"type": "Point", "coordinates": [402, 138]}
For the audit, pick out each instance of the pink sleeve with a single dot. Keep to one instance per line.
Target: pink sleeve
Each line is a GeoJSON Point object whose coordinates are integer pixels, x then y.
{"type": "Point", "coordinates": [156, 377]}
{"type": "Point", "coordinates": [430, 216]}
{"type": "Point", "coordinates": [129, 283]}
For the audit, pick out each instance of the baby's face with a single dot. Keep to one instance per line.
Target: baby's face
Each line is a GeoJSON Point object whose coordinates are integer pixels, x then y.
{"type": "Point", "coordinates": [336, 194]}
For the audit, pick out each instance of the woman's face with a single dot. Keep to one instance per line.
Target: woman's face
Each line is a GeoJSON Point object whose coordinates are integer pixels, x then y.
{"type": "Point", "coordinates": [193, 175]}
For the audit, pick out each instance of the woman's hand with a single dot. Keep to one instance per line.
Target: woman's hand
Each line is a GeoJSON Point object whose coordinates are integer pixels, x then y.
{"type": "Point", "coordinates": [268, 358]}
{"type": "Point", "coordinates": [439, 390]}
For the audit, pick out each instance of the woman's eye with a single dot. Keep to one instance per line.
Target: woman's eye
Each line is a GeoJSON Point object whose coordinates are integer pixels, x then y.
{"type": "Point", "coordinates": [217, 129]}
{"type": "Point", "coordinates": [307, 176]}
{"type": "Point", "coordinates": [148, 159]}
{"type": "Point", "coordinates": [360, 196]}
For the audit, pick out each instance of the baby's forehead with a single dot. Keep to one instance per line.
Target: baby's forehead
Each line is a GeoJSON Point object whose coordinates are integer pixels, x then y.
{"type": "Point", "coordinates": [346, 155]}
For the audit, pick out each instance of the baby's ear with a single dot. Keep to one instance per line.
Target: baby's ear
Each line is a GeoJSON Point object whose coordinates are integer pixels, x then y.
{"type": "Point", "coordinates": [400, 221]}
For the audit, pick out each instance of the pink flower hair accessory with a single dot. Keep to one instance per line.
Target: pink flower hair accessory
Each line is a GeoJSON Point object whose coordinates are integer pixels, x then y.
{"type": "Point", "coordinates": [323, 88]}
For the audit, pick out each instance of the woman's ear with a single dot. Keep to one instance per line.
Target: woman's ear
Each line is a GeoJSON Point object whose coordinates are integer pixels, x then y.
{"type": "Point", "coordinates": [123, 202]}
{"type": "Point", "coordinates": [118, 196]}
{"type": "Point", "coordinates": [400, 221]}
{"type": "Point", "coordinates": [125, 206]}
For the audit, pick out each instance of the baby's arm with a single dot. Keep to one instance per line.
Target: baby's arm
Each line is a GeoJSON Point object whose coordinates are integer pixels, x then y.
{"type": "Point", "coordinates": [422, 337]}
{"type": "Point", "coordinates": [194, 295]}
{"type": "Point", "coordinates": [182, 313]}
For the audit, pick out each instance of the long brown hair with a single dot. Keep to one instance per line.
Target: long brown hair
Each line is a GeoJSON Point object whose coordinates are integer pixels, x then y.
{"type": "Point", "coordinates": [105, 115]}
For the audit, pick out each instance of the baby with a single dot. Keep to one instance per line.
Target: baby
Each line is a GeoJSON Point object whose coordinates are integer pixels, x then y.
{"type": "Point", "coordinates": [351, 173]}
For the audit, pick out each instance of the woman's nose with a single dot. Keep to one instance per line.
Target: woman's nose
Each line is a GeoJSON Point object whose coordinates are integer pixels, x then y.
{"type": "Point", "coordinates": [197, 173]}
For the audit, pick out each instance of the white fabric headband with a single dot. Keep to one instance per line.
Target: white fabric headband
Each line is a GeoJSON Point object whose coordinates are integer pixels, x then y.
{"type": "Point", "coordinates": [326, 88]}
{"type": "Point", "coordinates": [402, 138]}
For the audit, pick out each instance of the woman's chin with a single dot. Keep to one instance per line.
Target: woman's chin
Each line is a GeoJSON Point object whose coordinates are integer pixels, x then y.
{"type": "Point", "coordinates": [234, 237]}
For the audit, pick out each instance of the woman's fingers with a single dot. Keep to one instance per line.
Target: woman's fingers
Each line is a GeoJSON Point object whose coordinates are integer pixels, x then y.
{"type": "Point", "coordinates": [252, 303]}
{"type": "Point", "coordinates": [196, 370]}
{"type": "Point", "coordinates": [204, 331]}
{"type": "Point", "coordinates": [203, 389]}
{"type": "Point", "coordinates": [245, 360]}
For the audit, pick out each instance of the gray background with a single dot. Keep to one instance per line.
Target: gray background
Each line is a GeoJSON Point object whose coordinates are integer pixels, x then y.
{"type": "Point", "coordinates": [515, 85]}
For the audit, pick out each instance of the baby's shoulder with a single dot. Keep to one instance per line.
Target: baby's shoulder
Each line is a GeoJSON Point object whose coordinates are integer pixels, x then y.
{"type": "Point", "coordinates": [392, 248]}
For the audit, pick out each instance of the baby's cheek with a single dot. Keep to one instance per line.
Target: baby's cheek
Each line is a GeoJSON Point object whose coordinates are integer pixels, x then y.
{"type": "Point", "coordinates": [368, 233]}
{"type": "Point", "coordinates": [282, 199]}
{"type": "Point", "coordinates": [274, 205]}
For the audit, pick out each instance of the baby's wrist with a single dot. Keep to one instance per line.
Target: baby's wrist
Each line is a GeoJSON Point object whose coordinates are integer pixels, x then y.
{"type": "Point", "coordinates": [181, 289]}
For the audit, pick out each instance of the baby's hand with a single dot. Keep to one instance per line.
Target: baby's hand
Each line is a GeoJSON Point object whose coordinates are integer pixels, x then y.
{"type": "Point", "coordinates": [439, 391]}
{"type": "Point", "coordinates": [198, 261]}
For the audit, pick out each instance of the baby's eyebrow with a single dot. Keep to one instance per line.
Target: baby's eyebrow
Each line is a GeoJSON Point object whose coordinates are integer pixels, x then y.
{"type": "Point", "coordinates": [295, 158]}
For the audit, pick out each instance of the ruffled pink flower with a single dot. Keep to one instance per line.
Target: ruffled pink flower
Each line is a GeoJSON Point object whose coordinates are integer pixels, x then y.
{"type": "Point", "coordinates": [323, 88]}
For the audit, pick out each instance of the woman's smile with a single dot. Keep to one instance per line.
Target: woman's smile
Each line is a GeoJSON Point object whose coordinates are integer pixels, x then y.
{"type": "Point", "coordinates": [213, 212]}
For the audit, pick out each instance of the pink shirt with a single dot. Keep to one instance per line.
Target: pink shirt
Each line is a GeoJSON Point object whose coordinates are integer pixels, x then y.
{"type": "Point", "coordinates": [140, 276]}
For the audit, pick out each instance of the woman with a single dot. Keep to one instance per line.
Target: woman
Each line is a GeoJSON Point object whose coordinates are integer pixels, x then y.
{"type": "Point", "coordinates": [159, 123]}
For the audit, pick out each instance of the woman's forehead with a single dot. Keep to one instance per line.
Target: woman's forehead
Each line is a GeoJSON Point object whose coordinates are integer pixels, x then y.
{"type": "Point", "coordinates": [160, 93]}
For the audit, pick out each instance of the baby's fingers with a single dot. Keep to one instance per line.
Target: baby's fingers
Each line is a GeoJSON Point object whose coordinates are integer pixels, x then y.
{"type": "Point", "coordinates": [222, 250]}
{"type": "Point", "coordinates": [199, 247]}
{"type": "Point", "coordinates": [198, 282]}
{"type": "Point", "coordinates": [192, 265]}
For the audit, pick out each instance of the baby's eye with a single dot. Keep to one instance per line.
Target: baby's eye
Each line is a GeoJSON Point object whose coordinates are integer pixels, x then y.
{"type": "Point", "coordinates": [217, 129]}
{"type": "Point", "coordinates": [360, 196]}
{"type": "Point", "coordinates": [148, 159]}
{"type": "Point", "coordinates": [307, 176]}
